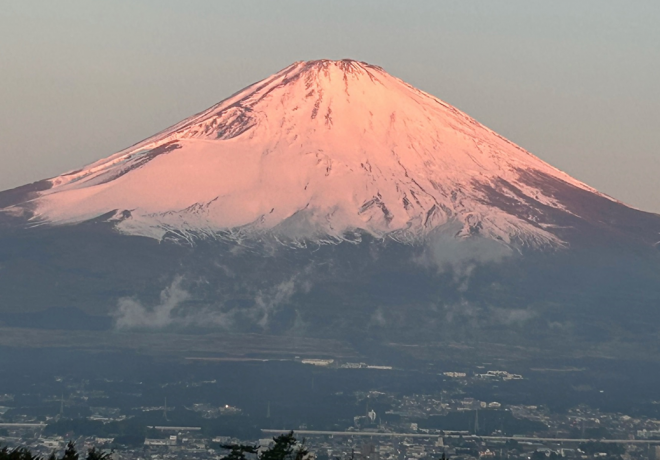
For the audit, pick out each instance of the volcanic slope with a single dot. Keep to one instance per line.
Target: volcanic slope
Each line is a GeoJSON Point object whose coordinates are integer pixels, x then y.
{"type": "Point", "coordinates": [324, 151]}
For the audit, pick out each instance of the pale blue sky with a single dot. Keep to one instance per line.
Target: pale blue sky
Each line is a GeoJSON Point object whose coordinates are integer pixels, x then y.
{"type": "Point", "coordinates": [574, 82]}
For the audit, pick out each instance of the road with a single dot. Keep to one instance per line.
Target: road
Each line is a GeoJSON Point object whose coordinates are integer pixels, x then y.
{"type": "Point", "coordinates": [454, 435]}
{"type": "Point", "coordinates": [22, 425]}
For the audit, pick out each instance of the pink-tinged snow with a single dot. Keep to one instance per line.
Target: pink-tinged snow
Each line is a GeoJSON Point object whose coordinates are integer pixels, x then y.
{"type": "Point", "coordinates": [317, 150]}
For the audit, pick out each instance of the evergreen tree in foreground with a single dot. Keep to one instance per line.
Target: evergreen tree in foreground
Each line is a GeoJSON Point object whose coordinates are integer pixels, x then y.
{"type": "Point", "coordinates": [70, 453]}
{"type": "Point", "coordinates": [285, 447]}
{"type": "Point", "coordinates": [20, 453]}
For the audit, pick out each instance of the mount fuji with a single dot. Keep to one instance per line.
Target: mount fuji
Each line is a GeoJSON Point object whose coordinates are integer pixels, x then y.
{"type": "Point", "coordinates": [331, 196]}
{"type": "Point", "coordinates": [325, 150]}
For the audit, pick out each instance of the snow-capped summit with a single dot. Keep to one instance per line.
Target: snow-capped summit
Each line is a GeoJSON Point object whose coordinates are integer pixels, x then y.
{"type": "Point", "coordinates": [323, 150]}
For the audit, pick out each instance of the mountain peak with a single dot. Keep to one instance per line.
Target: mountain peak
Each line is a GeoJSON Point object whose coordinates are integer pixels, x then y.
{"type": "Point", "coordinates": [320, 151]}
{"type": "Point", "coordinates": [323, 66]}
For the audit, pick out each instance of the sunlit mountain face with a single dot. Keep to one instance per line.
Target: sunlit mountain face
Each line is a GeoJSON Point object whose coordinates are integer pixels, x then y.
{"type": "Point", "coordinates": [332, 200]}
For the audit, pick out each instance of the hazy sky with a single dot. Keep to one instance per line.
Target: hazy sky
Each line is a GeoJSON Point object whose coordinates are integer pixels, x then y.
{"type": "Point", "coordinates": [575, 82]}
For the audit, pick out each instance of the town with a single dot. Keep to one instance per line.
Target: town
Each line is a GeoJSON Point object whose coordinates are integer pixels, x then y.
{"type": "Point", "coordinates": [382, 424]}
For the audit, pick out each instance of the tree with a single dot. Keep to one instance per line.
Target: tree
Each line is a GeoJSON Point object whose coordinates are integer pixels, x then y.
{"type": "Point", "coordinates": [70, 452]}
{"type": "Point", "coordinates": [238, 451]}
{"type": "Point", "coordinates": [95, 454]}
{"type": "Point", "coordinates": [20, 453]}
{"type": "Point", "coordinates": [512, 444]}
{"type": "Point", "coordinates": [285, 447]}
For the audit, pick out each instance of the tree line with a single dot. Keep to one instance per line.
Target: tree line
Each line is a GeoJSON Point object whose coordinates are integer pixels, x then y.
{"type": "Point", "coordinates": [70, 453]}
{"type": "Point", "coordinates": [284, 447]}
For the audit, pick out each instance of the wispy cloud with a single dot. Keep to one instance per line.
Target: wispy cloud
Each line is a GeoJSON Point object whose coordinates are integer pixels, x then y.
{"type": "Point", "coordinates": [131, 313]}
{"type": "Point", "coordinates": [176, 309]}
